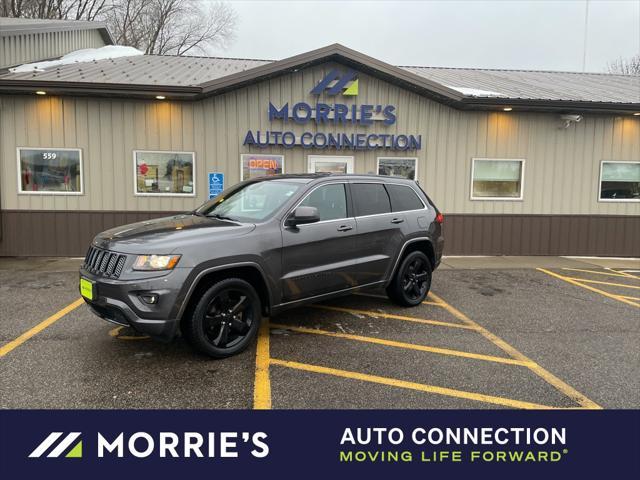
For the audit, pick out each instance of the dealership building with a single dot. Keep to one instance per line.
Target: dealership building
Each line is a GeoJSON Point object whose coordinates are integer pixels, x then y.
{"type": "Point", "coordinates": [520, 162]}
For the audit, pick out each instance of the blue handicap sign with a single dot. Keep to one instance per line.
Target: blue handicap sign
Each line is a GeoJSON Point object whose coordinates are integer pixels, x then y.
{"type": "Point", "coordinates": [216, 184]}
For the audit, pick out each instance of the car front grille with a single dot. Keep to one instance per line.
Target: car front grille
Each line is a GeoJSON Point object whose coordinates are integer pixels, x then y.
{"type": "Point", "coordinates": [103, 262]}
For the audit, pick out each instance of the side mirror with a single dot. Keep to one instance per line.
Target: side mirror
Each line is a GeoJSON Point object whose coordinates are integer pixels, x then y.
{"type": "Point", "coordinates": [303, 215]}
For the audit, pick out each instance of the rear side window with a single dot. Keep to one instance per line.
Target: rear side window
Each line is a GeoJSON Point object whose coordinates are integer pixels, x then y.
{"type": "Point", "coordinates": [370, 198]}
{"type": "Point", "coordinates": [330, 200]}
{"type": "Point", "coordinates": [404, 198]}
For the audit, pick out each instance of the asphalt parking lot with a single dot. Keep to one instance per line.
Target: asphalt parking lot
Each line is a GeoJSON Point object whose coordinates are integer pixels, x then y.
{"type": "Point", "coordinates": [495, 333]}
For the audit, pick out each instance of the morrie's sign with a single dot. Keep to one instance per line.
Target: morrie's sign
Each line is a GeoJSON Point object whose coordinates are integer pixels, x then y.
{"type": "Point", "coordinates": [336, 114]}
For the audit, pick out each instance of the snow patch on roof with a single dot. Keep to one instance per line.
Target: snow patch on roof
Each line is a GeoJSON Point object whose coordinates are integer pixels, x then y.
{"type": "Point", "coordinates": [86, 55]}
{"type": "Point", "coordinates": [476, 92]}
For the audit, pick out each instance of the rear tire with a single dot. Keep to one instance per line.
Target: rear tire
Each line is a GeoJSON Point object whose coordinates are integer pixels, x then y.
{"type": "Point", "coordinates": [412, 281]}
{"type": "Point", "coordinates": [225, 320]}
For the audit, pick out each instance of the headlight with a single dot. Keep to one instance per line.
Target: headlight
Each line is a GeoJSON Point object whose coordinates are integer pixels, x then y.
{"type": "Point", "coordinates": [156, 262]}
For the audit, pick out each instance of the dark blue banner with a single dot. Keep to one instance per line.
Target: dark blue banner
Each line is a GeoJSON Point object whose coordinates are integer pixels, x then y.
{"type": "Point", "coordinates": [318, 444]}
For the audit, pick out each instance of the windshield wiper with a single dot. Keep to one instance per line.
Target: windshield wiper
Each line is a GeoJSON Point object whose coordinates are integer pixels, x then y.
{"type": "Point", "coordinates": [221, 217]}
{"type": "Point", "coordinates": [197, 213]}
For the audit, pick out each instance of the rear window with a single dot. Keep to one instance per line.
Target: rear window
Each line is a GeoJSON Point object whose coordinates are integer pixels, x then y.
{"type": "Point", "coordinates": [403, 198]}
{"type": "Point", "coordinates": [370, 199]}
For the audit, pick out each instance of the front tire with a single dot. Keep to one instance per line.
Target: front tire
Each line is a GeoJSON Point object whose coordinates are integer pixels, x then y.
{"type": "Point", "coordinates": [412, 281]}
{"type": "Point", "coordinates": [225, 320]}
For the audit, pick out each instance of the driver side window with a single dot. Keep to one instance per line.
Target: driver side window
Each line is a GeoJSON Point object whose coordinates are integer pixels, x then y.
{"type": "Point", "coordinates": [330, 200]}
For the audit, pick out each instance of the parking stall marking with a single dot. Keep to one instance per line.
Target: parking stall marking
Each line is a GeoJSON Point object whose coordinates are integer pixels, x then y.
{"type": "Point", "coordinates": [578, 283]}
{"type": "Point", "coordinates": [8, 347]}
{"type": "Point", "coordinates": [626, 273]}
{"type": "Point", "coordinates": [610, 273]}
{"type": "Point", "coordinates": [598, 282]}
{"type": "Point", "coordinates": [374, 314]}
{"type": "Point", "coordinates": [262, 382]}
{"type": "Point", "coordinates": [262, 393]}
{"type": "Point", "coordinates": [550, 378]}
{"type": "Point", "coordinates": [409, 346]}
{"type": "Point", "coordinates": [393, 382]}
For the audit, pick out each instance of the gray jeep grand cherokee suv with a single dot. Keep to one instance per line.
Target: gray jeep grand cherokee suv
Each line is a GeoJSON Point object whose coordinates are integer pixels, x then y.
{"type": "Point", "coordinates": [261, 246]}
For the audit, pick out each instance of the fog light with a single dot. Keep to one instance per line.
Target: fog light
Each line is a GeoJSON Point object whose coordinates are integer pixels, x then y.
{"type": "Point", "coordinates": [150, 298]}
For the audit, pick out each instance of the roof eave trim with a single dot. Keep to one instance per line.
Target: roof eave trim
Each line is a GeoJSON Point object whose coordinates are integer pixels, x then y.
{"type": "Point", "coordinates": [84, 88]}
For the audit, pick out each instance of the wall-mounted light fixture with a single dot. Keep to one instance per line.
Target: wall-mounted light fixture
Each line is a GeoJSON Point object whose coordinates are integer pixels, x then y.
{"type": "Point", "coordinates": [507, 109]}
{"type": "Point", "coordinates": [40, 92]}
{"type": "Point", "coordinates": [160, 97]}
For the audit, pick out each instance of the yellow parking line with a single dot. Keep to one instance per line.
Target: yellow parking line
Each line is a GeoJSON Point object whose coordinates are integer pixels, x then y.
{"type": "Point", "coordinates": [371, 313]}
{"type": "Point", "coordinates": [38, 328]}
{"type": "Point", "coordinates": [587, 287]}
{"type": "Point", "coordinates": [262, 383]}
{"type": "Point", "coordinates": [624, 274]}
{"type": "Point", "coordinates": [595, 272]}
{"type": "Point", "coordinates": [598, 282]}
{"type": "Point", "coordinates": [533, 366]}
{"type": "Point", "coordinates": [427, 302]}
{"type": "Point", "coordinates": [628, 298]}
{"type": "Point", "coordinates": [409, 346]}
{"type": "Point", "coordinates": [392, 382]}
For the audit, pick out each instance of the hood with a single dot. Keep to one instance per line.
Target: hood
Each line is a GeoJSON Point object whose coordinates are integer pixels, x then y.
{"type": "Point", "coordinates": [166, 235]}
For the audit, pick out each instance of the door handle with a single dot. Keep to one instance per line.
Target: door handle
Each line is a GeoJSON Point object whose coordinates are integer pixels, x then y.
{"type": "Point", "coordinates": [397, 220]}
{"type": "Point", "coordinates": [345, 228]}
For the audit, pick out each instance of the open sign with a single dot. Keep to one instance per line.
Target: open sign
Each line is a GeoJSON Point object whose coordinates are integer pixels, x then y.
{"type": "Point", "coordinates": [261, 165]}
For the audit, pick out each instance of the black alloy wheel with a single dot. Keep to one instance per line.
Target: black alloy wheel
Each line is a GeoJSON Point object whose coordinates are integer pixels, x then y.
{"type": "Point", "coordinates": [412, 281]}
{"type": "Point", "coordinates": [225, 320]}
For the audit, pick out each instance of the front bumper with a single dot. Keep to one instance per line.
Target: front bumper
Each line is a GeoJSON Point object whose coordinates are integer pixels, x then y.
{"type": "Point", "coordinates": [119, 302]}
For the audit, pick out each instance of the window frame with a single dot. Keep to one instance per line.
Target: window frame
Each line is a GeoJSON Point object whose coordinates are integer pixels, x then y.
{"type": "Point", "coordinates": [19, 176]}
{"type": "Point", "coordinates": [242, 155]}
{"type": "Point", "coordinates": [599, 186]}
{"type": "Point", "coordinates": [172, 194]}
{"type": "Point", "coordinates": [349, 161]}
{"type": "Point", "coordinates": [415, 159]}
{"type": "Point", "coordinates": [501, 199]}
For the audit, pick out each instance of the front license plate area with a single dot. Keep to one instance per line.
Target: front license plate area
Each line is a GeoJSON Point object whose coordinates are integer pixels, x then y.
{"type": "Point", "coordinates": [87, 289]}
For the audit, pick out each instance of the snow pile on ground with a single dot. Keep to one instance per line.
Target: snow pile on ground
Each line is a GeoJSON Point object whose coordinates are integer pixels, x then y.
{"type": "Point", "coordinates": [86, 55]}
{"type": "Point", "coordinates": [476, 92]}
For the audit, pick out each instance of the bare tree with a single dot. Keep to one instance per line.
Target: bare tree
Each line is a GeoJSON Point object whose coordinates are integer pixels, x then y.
{"type": "Point", "coordinates": [160, 27]}
{"type": "Point", "coordinates": [172, 26]}
{"type": "Point", "coordinates": [625, 66]}
{"type": "Point", "coordinates": [54, 9]}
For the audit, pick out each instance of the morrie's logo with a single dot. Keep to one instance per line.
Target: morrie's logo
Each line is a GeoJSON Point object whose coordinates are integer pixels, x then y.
{"type": "Point", "coordinates": [61, 447]}
{"type": "Point", "coordinates": [335, 82]}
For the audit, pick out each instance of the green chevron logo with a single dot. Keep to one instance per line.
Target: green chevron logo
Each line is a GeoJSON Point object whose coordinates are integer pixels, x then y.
{"type": "Point", "coordinates": [61, 446]}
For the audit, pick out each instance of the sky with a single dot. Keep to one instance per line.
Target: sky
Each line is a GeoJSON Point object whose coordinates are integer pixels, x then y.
{"type": "Point", "coordinates": [541, 35]}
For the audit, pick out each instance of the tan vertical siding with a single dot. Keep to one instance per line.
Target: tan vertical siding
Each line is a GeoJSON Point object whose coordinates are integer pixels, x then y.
{"type": "Point", "coordinates": [561, 173]}
{"type": "Point", "coordinates": [27, 48]}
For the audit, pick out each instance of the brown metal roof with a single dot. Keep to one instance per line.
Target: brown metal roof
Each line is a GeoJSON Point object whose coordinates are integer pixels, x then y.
{"type": "Point", "coordinates": [21, 26]}
{"type": "Point", "coordinates": [459, 87]}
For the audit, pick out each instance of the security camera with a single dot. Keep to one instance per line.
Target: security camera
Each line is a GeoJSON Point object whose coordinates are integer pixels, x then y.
{"type": "Point", "coordinates": [569, 119]}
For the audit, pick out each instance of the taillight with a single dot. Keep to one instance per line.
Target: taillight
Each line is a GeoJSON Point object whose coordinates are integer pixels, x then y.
{"type": "Point", "coordinates": [440, 218]}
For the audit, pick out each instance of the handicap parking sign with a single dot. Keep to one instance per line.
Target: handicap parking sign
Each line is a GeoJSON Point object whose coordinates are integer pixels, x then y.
{"type": "Point", "coordinates": [216, 184]}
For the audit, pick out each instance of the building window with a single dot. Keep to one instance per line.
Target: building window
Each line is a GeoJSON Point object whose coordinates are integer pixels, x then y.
{"type": "Point", "coordinates": [164, 173]}
{"type": "Point", "coordinates": [497, 179]}
{"type": "Point", "coordinates": [619, 181]}
{"type": "Point", "coordinates": [398, 167]}
{"type": "Point", "coordinates": [252, 166]}
{"type": "Point", "coordinates": [52, 171]}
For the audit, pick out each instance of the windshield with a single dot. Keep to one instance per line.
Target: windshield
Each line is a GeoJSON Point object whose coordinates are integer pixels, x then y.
{"type": "Point", "coordinates": [252, 202]}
